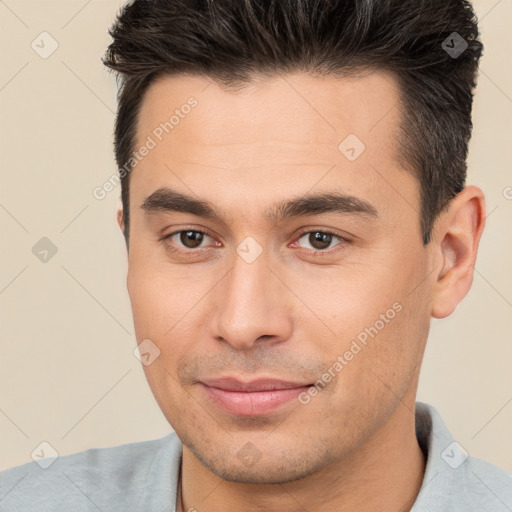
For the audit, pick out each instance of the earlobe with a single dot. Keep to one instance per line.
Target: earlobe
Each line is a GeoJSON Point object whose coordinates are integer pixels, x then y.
{"type": "Point", "coordinates": [458, 236]}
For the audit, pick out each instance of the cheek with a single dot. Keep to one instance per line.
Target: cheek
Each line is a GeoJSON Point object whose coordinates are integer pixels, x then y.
{"type": "Point", "coordinates": [346, 299]}
{"type": "Point", "coordinates": [393, 343]}
{"type": "Point", "coordinates": [159, 308]}
{"type": "Point", "coordinates": [165, 305]}
{"type": "Point", "coordinates": [158, 298]}
{"type": "Point", "coordinates": [376, 318]}
{"type": "Point", "coordinates": [379, 365]}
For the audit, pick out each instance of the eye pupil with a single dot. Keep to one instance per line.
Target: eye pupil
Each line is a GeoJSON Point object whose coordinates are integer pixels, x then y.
{"type": "Point", "coordinates": [324, 239]}
{"type": "Point", "coordinates": [191, 239]}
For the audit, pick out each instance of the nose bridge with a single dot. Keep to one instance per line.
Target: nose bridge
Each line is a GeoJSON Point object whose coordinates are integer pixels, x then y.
{"type": "Point", "coordinates": [249, 303]}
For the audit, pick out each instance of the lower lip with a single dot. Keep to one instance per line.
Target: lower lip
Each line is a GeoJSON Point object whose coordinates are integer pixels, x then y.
{"type": "Point", "coordinates": [252, 403]}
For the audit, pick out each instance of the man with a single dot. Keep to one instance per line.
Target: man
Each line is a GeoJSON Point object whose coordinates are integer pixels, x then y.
{"type": "Point", "coordinates": [295, 212]}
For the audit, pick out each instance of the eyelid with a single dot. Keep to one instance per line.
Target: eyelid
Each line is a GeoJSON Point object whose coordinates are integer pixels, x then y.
{"type": "Point", "coordinates": [177, 249]}
{"type": "Point", "coordinates": [344, 240]}
{"type": "Point", "coordinates": [203, 231]}
{"type": "Point", "coordinates": [325, 231]}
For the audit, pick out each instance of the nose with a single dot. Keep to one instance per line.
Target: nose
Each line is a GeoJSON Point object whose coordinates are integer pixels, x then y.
{"type": "Point", "coordinates": [251, 304]}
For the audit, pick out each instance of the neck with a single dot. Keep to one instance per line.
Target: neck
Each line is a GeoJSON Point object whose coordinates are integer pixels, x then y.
{"type": "Point", "coordinates": [385, 474]}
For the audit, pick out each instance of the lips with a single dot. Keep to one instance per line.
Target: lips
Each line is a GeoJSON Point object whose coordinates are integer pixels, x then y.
{"type": "Point", "coordinates": [232, 384]}
{"type": "Point", "coordinates": [255, 398]}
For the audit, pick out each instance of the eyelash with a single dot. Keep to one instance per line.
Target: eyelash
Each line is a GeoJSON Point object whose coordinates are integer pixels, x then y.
{"type": "Point", "coordinates": [314, 252]}
{"type": "Point", "coordinates": [325, 252]}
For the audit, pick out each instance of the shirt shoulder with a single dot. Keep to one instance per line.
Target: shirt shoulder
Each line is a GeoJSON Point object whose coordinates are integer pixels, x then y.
{"type": "Point", "coordinates": [455, 481]}
{"type": "Point", "coordinates": [114, 479]}
{"type": "Point", "coordinates": [488, 487]}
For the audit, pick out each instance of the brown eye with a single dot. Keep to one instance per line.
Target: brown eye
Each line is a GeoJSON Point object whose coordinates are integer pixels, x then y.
{"type": "Point", "coordinates": [319, 240]}
{"type": "Point", "coordinates": [185, 240]}
{"type": "Point", "coordinates": [191, 239]}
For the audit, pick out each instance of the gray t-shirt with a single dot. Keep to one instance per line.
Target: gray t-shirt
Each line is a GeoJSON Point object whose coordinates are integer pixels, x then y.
{"type": "Point", "coordinates": [143, 477]}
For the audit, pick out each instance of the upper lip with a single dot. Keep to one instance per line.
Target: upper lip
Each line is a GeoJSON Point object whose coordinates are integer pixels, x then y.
{"type": "Point", "coordinates": [233, 384]}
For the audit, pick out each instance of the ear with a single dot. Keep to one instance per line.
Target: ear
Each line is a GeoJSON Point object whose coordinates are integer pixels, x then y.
{"type": "Point", "coordinates": [457, 236]}
{"type": "Point", "coordinates": [120, 217]}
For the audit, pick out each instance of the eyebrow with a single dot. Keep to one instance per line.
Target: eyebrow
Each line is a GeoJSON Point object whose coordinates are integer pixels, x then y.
{"type": "Point", "coordinates": [168, 200]}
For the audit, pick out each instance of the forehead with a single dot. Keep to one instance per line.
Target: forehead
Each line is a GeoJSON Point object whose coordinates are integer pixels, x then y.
{"type": "Point", "coordinates": [275, 136]}
{"type": "Point", "coordinates": [297, 107]}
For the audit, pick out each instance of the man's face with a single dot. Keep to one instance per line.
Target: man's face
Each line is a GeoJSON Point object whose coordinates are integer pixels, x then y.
{"type": "Point", "coordinates": [251, 299]}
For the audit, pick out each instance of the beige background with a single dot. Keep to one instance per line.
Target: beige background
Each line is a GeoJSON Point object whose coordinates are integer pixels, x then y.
{"type": "Point", "coordinates": [68, 375]}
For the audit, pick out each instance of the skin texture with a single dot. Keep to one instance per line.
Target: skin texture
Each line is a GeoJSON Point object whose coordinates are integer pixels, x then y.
{"type": "Point", "coordinates": [290, 313]}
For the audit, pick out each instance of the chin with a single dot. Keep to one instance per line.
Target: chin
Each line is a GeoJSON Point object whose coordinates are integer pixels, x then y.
{"type": "Point", "coordinates": [250, 466]}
